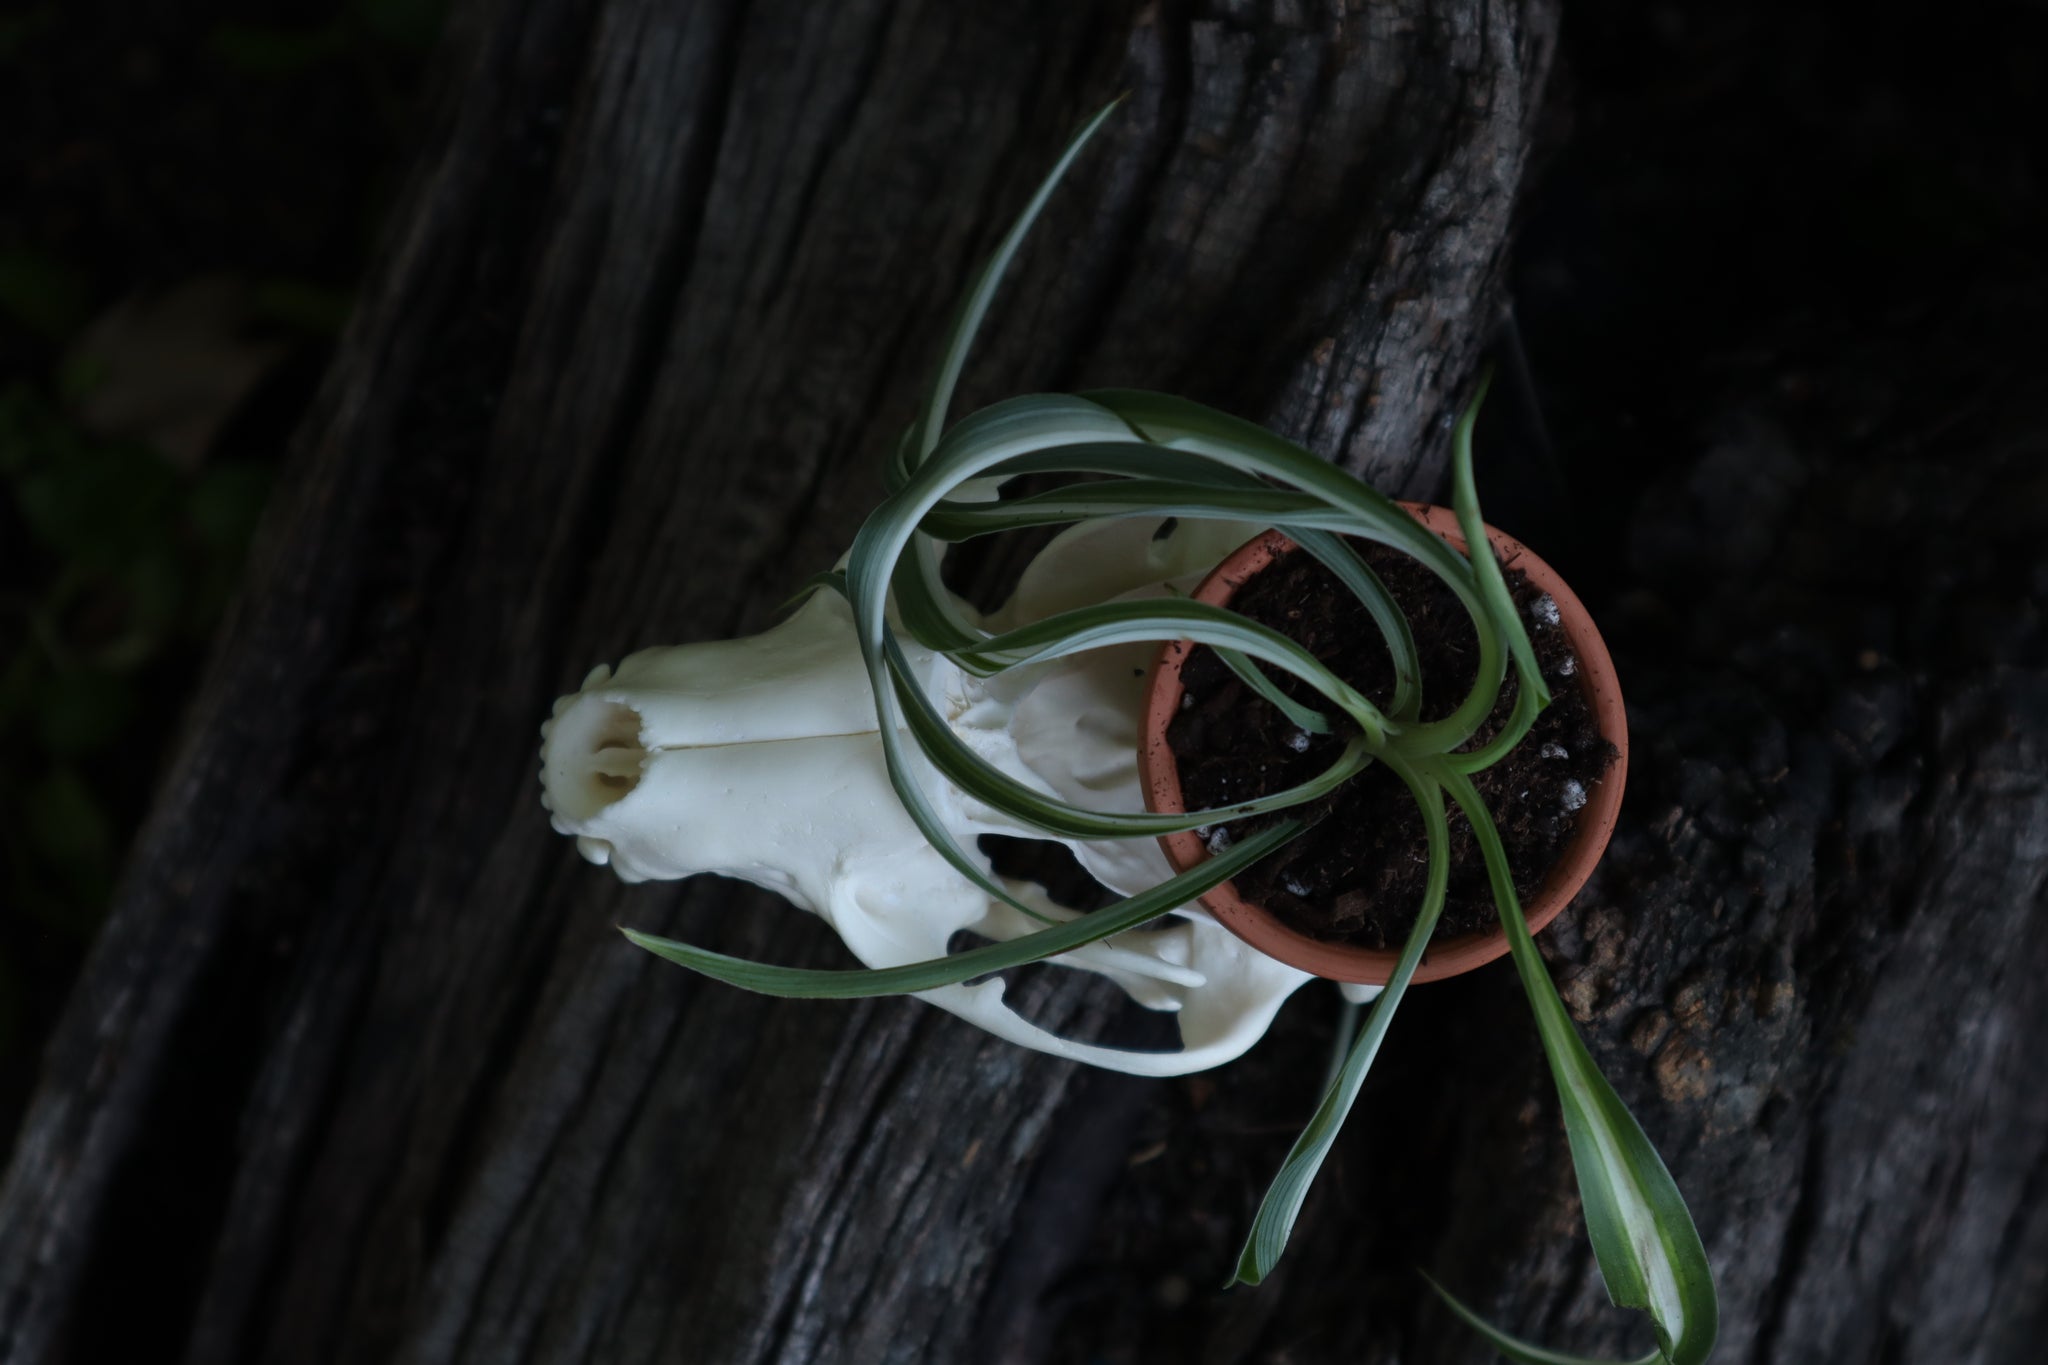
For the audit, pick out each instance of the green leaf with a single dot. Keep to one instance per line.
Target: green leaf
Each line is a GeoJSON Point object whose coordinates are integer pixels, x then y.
{"type": "Point", "coordinates": [1519, 1351]}
{"type": "Point", "coordinates": [1254, 677]}
{"type": "Point", "coordinates": [263, 50]}
{"type": "Point", "coordinates": [1053, 433]}
{"type": "Point", "coordinates": [1520, 718]}
{"type": "Point", "coordinates": [1167, 619]}
{"type": "Point", "coordinates": [101, 504]}
{"type": "Point", "coordinates": [67, 821]}
{"type": "Point", "coordinates": [974, 307]}
{"type": "Point", "coordinates": [1181, 424]}
{"type": "Point", "coordinates": [903, 780]}
{"type": "Point", "coordinates": [1017, 426]}
{"type": "Point", "coordinates": [11, 1010]}
{"type": "Point", "coordinates": [1163, 497]}
{"type": "Point", "coordinates": [1479, 549]}
{"type": "Point", "coordinates": [1189, 490]}
{"type": "Point", "coordinates": [929, 611]}
{"type": "Point", "coordinates": [1643, 1236]}
{"type": "Point", "coordinates": [1043, 432]}
{"type": "Point", "coordinates": [22, 672]}
{"type": "Point", "coordinates": [1284, 1198]}
{"type": "Point", "coordinates": [224, 503]}
{"type": "Point", "coordinates": [967, 770]}
{"type": "Point", "coordinates": [305, 304]}
{"type": "Point", "coordinates": [924, 605]}
{"type": "Point", "coordinates": [938, 746]}
{"type": "Point", "coordinates": [848, 984]}
{"type": "Point", "coordinates": [1343, 560]}
{"type": "Point", "coordinates": [44, 294]}
{"type": "Point", "coordinates": [409, 24]}
{"type": "Point", "coordinates": [82, 710]}
{"type": "Point", "coordinates": [20, 29]}
{"type": "Point", "coordinates": [986, 439]}
{"type": "Point", "coordinates": [834, 579]}
{"type": "Point", "coordinates": [1242, 445]}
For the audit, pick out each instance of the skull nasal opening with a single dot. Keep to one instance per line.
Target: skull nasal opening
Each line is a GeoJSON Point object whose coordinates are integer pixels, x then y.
{"type": "Point", "coordinates": [593, 758]}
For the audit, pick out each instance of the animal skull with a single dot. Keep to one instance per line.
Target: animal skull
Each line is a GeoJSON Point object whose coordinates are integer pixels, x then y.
{"type": "Point", "coordinates": [760, 759]}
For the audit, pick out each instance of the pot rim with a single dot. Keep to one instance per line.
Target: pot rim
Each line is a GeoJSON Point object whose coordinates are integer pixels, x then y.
{"type": "Point", "coordinates": [1160, 776]}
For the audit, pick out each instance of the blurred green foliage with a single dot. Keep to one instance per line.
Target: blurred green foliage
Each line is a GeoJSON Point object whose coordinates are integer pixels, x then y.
{"type": "Point", "coordinates": [127, 557]}
{"type": "Point", "coordinates": [42, 293]}
{"type": "Point", "coordinates": [281, 50]}
{"type": "Point", "coordinates": [251, 141]}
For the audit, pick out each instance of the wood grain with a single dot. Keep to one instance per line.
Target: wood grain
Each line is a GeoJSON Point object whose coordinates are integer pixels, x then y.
{"type": "Point", "coordinates": [358, 1070]}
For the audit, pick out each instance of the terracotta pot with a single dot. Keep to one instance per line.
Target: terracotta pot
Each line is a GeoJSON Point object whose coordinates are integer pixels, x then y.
{"type": "Point", "coordinates": [1341, 962]}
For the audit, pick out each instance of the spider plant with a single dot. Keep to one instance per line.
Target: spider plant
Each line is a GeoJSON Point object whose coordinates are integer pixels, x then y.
{"type": "Point", "coordinates": [1121, 453]}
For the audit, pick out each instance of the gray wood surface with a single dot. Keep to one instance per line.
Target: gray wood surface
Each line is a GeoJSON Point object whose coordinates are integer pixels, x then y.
{"type": "Point", "coordinates": [359, 1070]}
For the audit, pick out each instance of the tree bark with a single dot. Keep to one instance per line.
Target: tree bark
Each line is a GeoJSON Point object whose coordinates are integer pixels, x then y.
{"type": "Point", "coordinates": [1810, 961]}
{"type": "Point", "coordinates": [359, 1069]}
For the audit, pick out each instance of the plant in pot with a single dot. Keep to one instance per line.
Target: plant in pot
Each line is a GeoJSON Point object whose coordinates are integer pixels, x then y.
{"type": "Point", "coordinates": [851, 757]}
{"type": "Point", "coordinates": [1552, 780]}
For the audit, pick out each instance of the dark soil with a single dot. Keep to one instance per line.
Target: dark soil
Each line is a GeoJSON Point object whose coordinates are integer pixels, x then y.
{"type": "Point", "coordinates": [1358, 876]}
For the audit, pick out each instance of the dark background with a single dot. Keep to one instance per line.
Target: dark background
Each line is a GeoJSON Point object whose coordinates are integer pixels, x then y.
{"type": "Point", "coordinates": [1802, 224]}
{"type": "Point", "coordinates": [192, 193]}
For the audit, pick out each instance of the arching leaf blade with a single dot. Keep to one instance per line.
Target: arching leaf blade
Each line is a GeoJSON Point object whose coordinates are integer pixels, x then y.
{"type": "Point", "coordinates": [1486, 572]}
{"type": "Point", "coordinates": [1189, 426]}
{"type": "Point", "coordinates": [1520, 718]}
{"type": "Point", "coordinates": [1274, 1222]}
{"type": "Point", "coordinates": [1643, 1236]}
{"type": "Point", "coordinates": [1166, 619]}
{"type": "Point", "coordinates": [974, 306]}
{"type": "Point", "coordinates": [854, 983]}
{"type": "Point", "coordinates": [1251, 675]}
{"type": "Point", "coordinates": [972, 774]}
{"type": "Point", "coordinates": [1343, 560]}
{"type": "Point", "coordinates": [1519, 1351]}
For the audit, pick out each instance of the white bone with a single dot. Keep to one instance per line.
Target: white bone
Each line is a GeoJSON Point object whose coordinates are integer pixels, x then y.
{"type": "Point", "coordinates": [760, 759]}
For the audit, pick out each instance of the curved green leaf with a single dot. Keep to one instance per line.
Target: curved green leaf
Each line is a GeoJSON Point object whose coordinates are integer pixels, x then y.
{"type": "Point", "coordinates": [1184, 425]}
{"type": "Point", "coordinates": [1643, 1236]}
{"type": "Point", "coordinates": [1523, 1352]}
{"type": "Point", "coordinates": [974, 307]}
{"type": "Point", "coordinates": [1520, 718]}
{"type": "Point", "coordinates": [1254, 677]}
{"type": "Point", "coordinates": [1167, 619]}
{"type": "Point", "coordinates": [1343, 560]}
{"type": "Point", "coordinates": [973, 774]}
{"type": "Point", "coordinates": [854, 983]}
{"type": "Point", "coordinates": [1283, 1201]}
{"type": "Point", "coordinates": [1479, 549]}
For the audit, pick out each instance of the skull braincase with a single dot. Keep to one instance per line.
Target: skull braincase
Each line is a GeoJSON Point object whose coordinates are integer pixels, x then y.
{"type": "Point", "coordinates": [760, 759]}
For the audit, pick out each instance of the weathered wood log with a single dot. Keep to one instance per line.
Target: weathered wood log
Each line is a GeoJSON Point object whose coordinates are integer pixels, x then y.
{"type": "Point", "coordinates": [359, 1070]}
{"type": "Point", "coordinates": [1810, 962]}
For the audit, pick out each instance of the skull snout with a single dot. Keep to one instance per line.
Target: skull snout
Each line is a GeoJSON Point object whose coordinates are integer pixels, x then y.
{"type": "Point", "coordinates": [592, 756]}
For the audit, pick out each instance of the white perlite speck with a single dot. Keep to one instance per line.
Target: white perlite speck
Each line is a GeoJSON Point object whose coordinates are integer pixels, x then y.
{"type": "Point", "coordinates": [1298, 741]}
{"type": "Point", "coordinates": [1544, 610]}
{"type": "Point", "coordinates": [1567, 666]}
{"type": "Point", "coordinates": [1554, 751]}
{"type": "Point", "coordinates": [1219, 837]}
{"type": "Point", "coordinates": [1294, 885]}
{"type": "Point", "coordinates": [1574, 795]}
